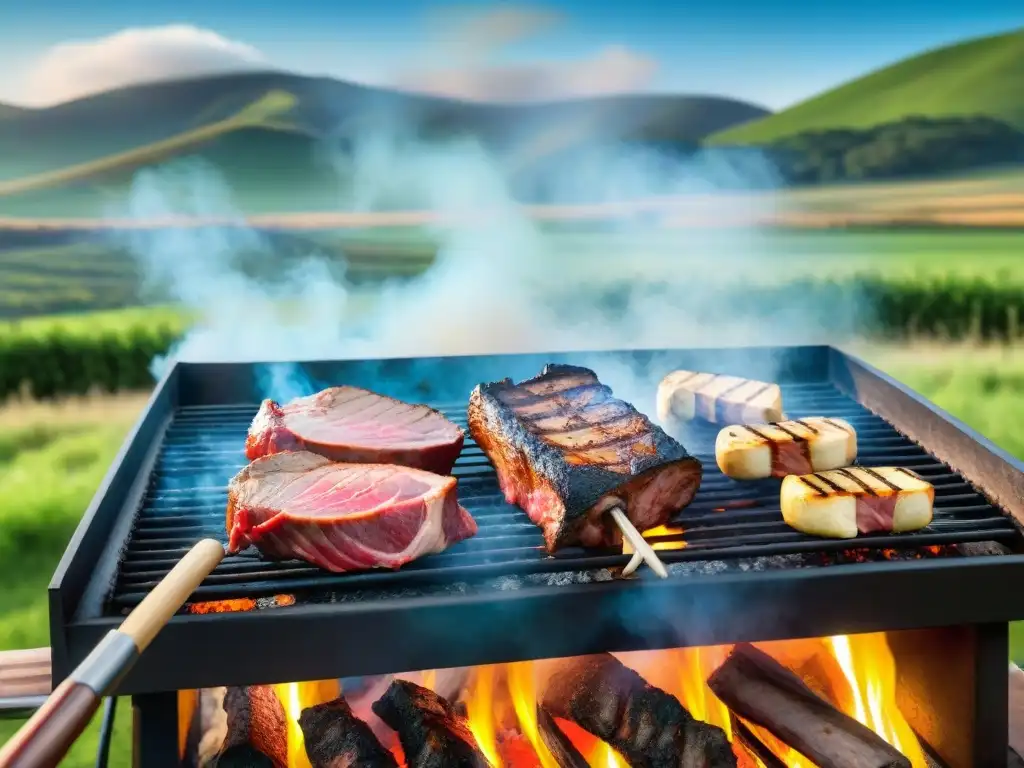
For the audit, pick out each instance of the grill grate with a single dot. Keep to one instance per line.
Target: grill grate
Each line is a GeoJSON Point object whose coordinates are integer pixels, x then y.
{"type": "Point", "coordinates": [203, 448]}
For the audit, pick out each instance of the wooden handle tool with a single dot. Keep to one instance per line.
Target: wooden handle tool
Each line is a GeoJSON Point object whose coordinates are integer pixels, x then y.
{"type": "Point", "coordinates": [46, 737]}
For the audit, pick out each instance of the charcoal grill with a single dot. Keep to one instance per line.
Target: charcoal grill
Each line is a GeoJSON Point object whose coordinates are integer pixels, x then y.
{"type": "Point", "coordinates": [744, 575]}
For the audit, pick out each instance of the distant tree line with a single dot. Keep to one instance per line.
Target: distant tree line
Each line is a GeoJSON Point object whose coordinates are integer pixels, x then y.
{"type": "Point", "coordinates": [912, 147]}
{"type": "Point", "coordinates": [915, 147]}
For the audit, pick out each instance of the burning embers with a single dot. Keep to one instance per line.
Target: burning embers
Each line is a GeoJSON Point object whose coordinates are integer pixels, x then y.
{"type": "Point", "coordinates": [802, 703]}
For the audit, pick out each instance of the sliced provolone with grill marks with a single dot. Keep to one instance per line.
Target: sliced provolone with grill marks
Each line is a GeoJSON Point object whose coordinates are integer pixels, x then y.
{"type": "Point", "coordinates": [777, 449]}
{"type": "Point", "coordinates": [842, 503]}
{"type": "Point", "coordinates": [720, 399]}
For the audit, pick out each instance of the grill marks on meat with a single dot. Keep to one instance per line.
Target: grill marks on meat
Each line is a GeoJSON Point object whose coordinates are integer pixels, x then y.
{"type": "Point", "coordinates": [433, 734]}
{"type": "Point", "coordinates": [574, 413]}
{"type": "Point", "coordinates": [647, 726]}
{"type": "Point", "coordinates": [566, 451]}
{"type": "Point", "coordinates": [336, 738]}
{"type": "Point", "coordinates": [343, 517]}
{"type": "Point", "coordinates": [257, 731]}
{"type": "Point", "coordinates": [355, 425]}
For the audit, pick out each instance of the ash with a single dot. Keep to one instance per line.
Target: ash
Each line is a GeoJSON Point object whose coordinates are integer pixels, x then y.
{"type": "Point", "coordinates": [557, 579]}
{"type": "Point", "coordinates": [683, 570]}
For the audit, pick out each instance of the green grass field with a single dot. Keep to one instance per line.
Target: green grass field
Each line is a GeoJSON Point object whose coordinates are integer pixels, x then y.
{"type": "Point", "coordinates": [87, 276]}
{"type": "Point", "coordinates": [52, 458]}
{"type": "Point", "coordinates": [978, 77]}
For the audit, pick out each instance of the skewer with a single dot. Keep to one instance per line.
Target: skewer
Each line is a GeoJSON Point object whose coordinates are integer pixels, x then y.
{"type": "Point", "coordinates": [633, 564]}
{"type": "Point", "coordinates": [643, 551]}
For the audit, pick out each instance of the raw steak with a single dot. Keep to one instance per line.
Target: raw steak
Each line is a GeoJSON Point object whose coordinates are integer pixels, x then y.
{"type": "Point", "coordinates": [566, 451]}
{"type": "Point", "coordinates": [343, 517]}
{"type": "Point", "coordinates": [358, 426]}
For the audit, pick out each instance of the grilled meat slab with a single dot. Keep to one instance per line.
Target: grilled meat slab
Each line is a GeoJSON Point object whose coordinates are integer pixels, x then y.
{"type": "Point", "coordinates": [357, 426]}
{"type": "Point", "coordinates": [566, 451]}
{"type": "Point", "coordinates": [433, 734]}
{"type": "Point", "coordinates": [647, 726]}
{"type": "Point", "coordinates": [336, 738]}
{"type": "Point", "coordinates": [343, 517]}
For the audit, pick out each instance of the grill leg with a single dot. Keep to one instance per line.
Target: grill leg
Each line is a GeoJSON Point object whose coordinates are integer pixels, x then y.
{"type": "Point", "coordinates": [991, 693]}
{"type": "Point", "coordinates": [155, 730]}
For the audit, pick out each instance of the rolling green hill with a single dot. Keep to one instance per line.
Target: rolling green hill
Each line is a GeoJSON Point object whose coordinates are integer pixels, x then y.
{"type": "Point", "coordinates": [263, 131]}
{"type": "Point", "coordinates": [978, 77]}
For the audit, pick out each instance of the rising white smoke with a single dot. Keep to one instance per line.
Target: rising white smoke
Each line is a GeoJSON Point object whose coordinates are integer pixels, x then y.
{"type": "Point", "coordinates": [502, 281]}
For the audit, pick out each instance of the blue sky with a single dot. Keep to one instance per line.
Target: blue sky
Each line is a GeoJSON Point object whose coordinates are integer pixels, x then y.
{"type": "Point", "coordinates": [773, 53]}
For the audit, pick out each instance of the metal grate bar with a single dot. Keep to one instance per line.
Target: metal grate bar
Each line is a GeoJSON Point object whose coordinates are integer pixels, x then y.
{"type": "Point", "coordinates": [203, 448]}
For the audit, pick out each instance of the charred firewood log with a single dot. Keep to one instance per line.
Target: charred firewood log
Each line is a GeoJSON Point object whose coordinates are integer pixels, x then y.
{"type": "Point", "coordinates": [335, 738]}
{"type": "Point", "coordinates": [754, 746]}
{"type": "Point", "coordinates": [558, 744]}
{"type": "Point", "coordinates": [257, 731]}
{"type": "Point", "coordinates": [647, 726]}
{"type": "Point", "coordinates": [433, 734]}
{"type": "Point", "coordinates": [757, 688]}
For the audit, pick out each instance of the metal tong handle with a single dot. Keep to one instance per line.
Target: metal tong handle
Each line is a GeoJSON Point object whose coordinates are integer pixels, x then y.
{"type": "Point", "coordinates": [43, 741]}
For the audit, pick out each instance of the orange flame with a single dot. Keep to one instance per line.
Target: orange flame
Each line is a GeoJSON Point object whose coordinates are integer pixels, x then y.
{"type": "Point", "coordinates": [606, 757]}
{"type": "Point", "coordinates": [238, 605]}
{"type": "Point", "coordinates": [480, 710]}
{"type": "Point", "coordinates": [296, 697]}
{"type": "Point", "coordinates": [696, 664]}
{"type": "Point", "coordinates": [522, 688]}
{"type": "Point", "coordinates": [661, 537]}
{"type": "Point", "coordinates": [856, 673]}
{"type": "Point", "coordinates": [870, 670]}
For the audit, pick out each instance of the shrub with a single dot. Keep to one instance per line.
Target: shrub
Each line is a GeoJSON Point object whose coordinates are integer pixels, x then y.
{"type": "Point", "coordinates": [76, 355]}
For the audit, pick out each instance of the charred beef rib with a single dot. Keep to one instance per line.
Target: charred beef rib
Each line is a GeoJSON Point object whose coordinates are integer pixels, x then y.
{"type": "Point", "coordinates": [336, 738]}
{"type": "Point", "coordinates": [343, 517]}
{"type": "Point", "coordinates": [433, 734]}
{"type": "Point", "coordinates": [566, 451]}
{"type": "Point", "coordinates": [647, 726]}
{"type": "Point", "coordinates": [354, 425]}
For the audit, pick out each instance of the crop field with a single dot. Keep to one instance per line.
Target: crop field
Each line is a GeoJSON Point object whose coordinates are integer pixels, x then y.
{"type": "Point", "coordinates": [52, 457]}
{"type": "Point", "coordinates": [94, 274]}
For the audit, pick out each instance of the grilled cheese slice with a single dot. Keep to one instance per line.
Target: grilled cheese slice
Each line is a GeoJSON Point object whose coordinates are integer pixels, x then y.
{"type": "Point", "coordinates": [720, 399]}
{"type": "Point", "coordinates": [795, 447]}
{"type": "Point", "coordinates": [842, 503]}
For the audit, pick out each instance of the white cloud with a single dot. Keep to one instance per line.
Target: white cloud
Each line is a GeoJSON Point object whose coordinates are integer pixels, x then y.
{"type": "Point", "coordinates": [612, 70]}
{"type": "Point", "coordinates": [74, 69]}
{"type": "Point", "coordinates": [473, 31]}
{"type": "Point", "coordinates": [472, 39]}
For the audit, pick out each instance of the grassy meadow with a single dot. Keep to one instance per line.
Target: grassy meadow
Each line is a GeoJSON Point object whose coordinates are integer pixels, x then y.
{"type": "Point", "coordinates": [975, 77]}
{"type": "Point", "coordinates": [46, 279]}
{"type": "Point", "coordinates": [52, 457]}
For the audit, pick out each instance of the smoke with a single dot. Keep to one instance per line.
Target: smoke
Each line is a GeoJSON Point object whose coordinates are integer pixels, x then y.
{"type": "Point", "coordinates": [502, 281]}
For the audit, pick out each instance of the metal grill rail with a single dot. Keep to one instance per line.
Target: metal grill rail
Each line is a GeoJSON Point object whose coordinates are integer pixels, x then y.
{"type": "Point", "coordinates": [203, 448]}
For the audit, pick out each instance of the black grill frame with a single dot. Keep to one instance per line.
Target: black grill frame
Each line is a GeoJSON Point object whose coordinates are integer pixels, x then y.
{"type": "Point", "coordinates": [482, 623]}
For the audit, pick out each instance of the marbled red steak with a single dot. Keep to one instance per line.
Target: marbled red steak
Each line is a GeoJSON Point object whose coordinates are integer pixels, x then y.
{"type": "Point", "coordinates": [343, 517]}
{"type": "Point", "coordinates": [355, 425]}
